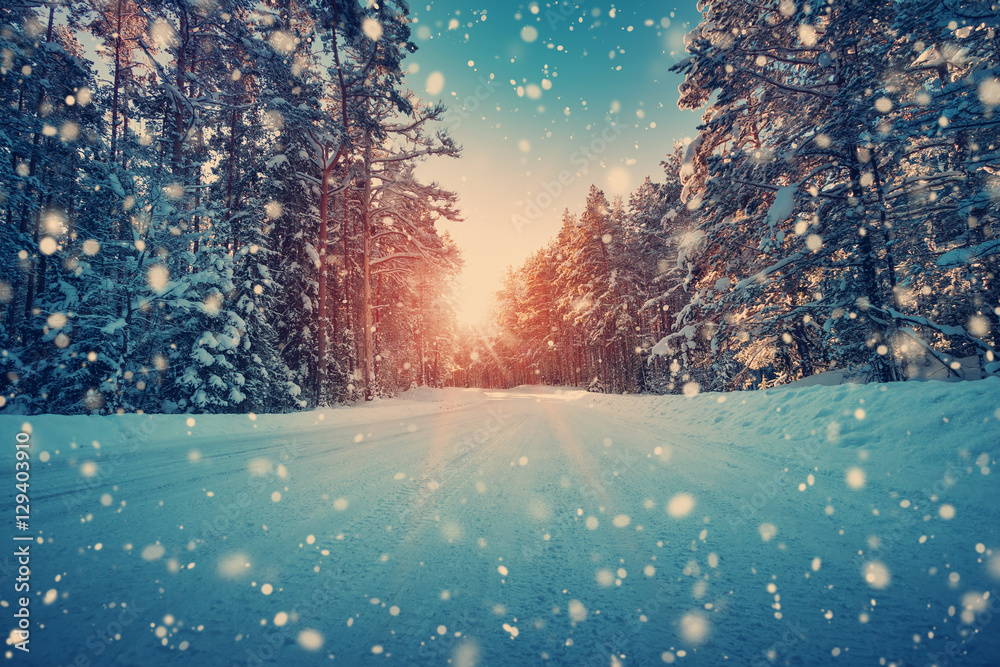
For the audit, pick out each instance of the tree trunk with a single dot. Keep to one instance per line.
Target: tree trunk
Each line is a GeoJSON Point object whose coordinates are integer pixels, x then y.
{"type": "Point", "coordinates": [229, 179]}
{"type": "Point", "coordinates": [369, 357]}
{"type": "Point", "coordinates": [178, 139]}
{"type": "Point", "coordinates": [883, 366]}
{"type": "Point", "coordinates": [124, 114]}
{"type": "Point", "coordinates": [420, 332]}
{"type": "Point", "coordinates": [324, 211]}
{"type": "Point", "coordinates": [346, 234]}
{"type": "Point", "coordinates": [117, 81]}
{"type": "Point", "coordinates": [29, 300]}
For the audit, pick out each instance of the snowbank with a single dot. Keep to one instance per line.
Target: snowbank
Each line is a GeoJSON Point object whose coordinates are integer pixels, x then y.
{"type": "Point", "coordinates": [929, 369]}
{"type": "Point", "coordinates": [910, 431]}
{"type": "Point", "coordinates": [454, 395]}
{"type": "Point", "coordinates": [161, 429]}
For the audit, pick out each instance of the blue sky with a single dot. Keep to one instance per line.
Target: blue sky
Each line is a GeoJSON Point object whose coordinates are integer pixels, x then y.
{"type": "Point", "coordinates": [540, 93]}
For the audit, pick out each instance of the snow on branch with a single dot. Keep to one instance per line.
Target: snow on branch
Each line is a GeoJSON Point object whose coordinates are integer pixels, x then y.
{"type": "Point", "coordinates": [963, 256]}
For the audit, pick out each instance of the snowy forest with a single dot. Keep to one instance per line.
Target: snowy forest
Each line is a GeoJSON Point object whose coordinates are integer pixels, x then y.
{"type": "Point", "coordinates": [213, 207]}
{"type": "Point", "coordinates": [545, 332]}
{"type": "Point", "coordinates": [837, 210]}
{"type": "Point", "coordinates": [220, 213]}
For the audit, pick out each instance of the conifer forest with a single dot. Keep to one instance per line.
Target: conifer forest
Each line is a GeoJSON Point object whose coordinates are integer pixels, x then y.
{"type": "Point", "coordinates": [214, 206]}
{"type": "Point", "coordinates": [569, 333]}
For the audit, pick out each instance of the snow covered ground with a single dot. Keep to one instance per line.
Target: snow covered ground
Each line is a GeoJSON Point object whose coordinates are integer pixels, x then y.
{"type": "Point", "coordinates": [821, 525]}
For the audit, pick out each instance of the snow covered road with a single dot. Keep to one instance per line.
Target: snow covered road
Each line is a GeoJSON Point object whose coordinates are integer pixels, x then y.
{"type": "Point", "coordinates": [841, 525]}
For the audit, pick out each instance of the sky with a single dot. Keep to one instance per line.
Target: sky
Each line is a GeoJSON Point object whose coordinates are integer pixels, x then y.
{"type": "Point", "coordinates": [536, 89]}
